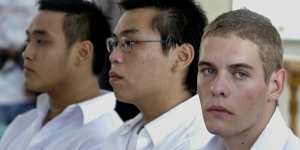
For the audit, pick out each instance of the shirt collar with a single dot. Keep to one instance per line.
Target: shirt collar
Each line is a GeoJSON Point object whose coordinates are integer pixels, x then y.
{"type": "Point", "coordinates": [131, 124]}
{"type": "Point", "coordinates": [97, 106]}
{"type": "Point", "coordinates": [271, 137]}
{"type": "Point", "coordinates": [91, 109]}
{"type": "Point", "coordinates": [178, 117]}
{"type": "Point", "coordinates": [43, 105]}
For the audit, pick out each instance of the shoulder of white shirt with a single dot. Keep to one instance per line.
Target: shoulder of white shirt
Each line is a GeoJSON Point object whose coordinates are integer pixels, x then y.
{"type": "Point", "coordinates": [91, 109]}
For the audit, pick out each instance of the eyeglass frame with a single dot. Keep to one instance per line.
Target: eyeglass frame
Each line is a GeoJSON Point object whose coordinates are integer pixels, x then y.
{"type": "Point", "coordinates": [125, 46]}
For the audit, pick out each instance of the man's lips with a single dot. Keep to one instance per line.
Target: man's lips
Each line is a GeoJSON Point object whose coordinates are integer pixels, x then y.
{"type": "Point", "coordinates": [28, 69]}
{"type": "Point", "coordinates": [114, 76]}
{"type": "Point", "coordinates": [219, 109]}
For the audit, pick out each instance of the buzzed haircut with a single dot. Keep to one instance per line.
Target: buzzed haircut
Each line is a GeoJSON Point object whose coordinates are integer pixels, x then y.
{"type": "Point", "coordinates": [249, 25]}
{"type": "Point", "coordinates": [83, 21]}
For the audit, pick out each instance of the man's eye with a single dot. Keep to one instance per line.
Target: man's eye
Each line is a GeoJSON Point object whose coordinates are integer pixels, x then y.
{"type": "Point", "coordinates": [207, 71]}
{"type": "Point", "coordinates": [38, 41]}
{"type": "Point", "coordinates": [115, 43]}
{"type": "Point", "coordinates": [240, 75]}
{"type": "Point", "coordinates": [128, 43]}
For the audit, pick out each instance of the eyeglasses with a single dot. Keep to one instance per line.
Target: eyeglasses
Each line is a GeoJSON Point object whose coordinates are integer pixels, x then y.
{"type": "Point", "coordinates": [125, 44]}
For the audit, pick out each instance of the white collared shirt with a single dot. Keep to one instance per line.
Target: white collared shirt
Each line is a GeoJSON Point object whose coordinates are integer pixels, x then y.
{"type": "Point", "coordinates": [276, 136]}
{"type": "Point", "coordinates": [76, 128]}
{"type": "Point", "coordinates": [172, 130]}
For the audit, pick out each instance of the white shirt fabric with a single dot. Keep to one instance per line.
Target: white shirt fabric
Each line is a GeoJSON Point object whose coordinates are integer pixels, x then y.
{"type": "Point", "coordinates": [174, 129]}
{"type": "Point", "coordinates": [276, 136]}
{"type": "Point", "coordinates": [76, 128]}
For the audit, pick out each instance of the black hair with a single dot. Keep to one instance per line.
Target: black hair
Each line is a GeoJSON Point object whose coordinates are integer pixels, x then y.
{"type": "Point", "coordinates": [83, 21]}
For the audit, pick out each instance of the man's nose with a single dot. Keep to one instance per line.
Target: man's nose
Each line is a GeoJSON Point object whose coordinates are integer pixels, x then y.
{"type": "Point", "coordinates": [28, 53]}
{"type": "Point", "coordinates": [116, 56]}
{"type": "Point", "coordinates": [220, 86]}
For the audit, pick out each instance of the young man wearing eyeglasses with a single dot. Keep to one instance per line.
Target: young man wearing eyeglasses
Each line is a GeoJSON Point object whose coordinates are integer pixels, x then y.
{"type": "Point", "coordinates": [154, 52]}
{"type": "Point", "coordinates": [65, 52]}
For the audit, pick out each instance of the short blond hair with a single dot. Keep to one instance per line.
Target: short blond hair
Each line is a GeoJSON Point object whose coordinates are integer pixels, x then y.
{"type": "Point", "coordinates": [254, 27]}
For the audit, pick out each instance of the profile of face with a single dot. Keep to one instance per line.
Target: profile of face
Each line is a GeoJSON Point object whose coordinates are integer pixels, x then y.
{"type": "Point", "coordinates": [231, 85]}
{"type": "Point", "coordinates": [46, 58]}
{"type": "Point", "coordinates": [138, 66]}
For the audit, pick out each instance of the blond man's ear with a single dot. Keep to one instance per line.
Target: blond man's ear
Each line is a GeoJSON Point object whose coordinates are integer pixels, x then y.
{"type": "Point", "coordinates": [276, 84]}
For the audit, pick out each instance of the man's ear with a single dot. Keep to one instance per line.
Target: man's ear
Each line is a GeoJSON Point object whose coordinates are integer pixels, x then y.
{"type": "Point", "coordinates": [84, 52]}
{"type": "Point", "coordinates": [276, 84]}
{"type": "Point", "coordinates": [184, 55]}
